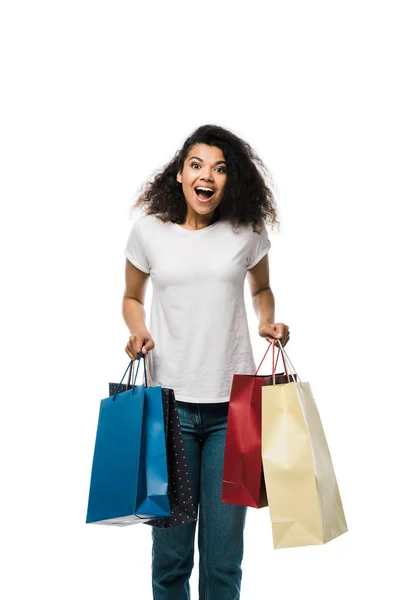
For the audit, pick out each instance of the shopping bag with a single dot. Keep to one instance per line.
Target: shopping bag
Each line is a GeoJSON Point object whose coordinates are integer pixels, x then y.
{"type": "Point", "coordinates": [243, 480]}
{"type": "Point", "coordinates": [129, 479]}
{"type": "Point", "coordinates": [304, 500]}
{"type": "Point", "coordinates": [179, 486]}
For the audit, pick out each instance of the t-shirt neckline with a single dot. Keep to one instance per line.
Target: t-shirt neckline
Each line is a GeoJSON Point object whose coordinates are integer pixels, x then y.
{"type": "Point", "coordinates": [185, 231]}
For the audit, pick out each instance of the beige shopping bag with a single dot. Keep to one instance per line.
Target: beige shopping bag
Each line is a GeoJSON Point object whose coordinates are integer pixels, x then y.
{"type": "Point", "coordinates": [304, 500]}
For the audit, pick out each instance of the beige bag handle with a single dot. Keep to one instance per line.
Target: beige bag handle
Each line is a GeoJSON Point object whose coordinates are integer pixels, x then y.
{"type": "Point", "coordinates": [133, 367]}
{"type": "Point", "coordinates": [291, 367]}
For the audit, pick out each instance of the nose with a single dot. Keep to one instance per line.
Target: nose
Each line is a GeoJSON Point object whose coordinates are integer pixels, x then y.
{"type": "Point", "coordinates": [207, 174]}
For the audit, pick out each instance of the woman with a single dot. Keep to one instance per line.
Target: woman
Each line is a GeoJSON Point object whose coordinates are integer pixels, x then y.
{"type": "Point", "coordinates": [202, 232]}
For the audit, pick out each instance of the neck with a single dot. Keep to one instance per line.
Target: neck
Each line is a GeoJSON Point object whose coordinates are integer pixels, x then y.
{"type": "Point", "coordinates": [195, 221]}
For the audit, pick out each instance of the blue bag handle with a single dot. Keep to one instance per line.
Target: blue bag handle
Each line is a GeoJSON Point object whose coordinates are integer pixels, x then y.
{"type": "Point", "coordinates": [144, 369]}
{"type": "Point", "coordinates": [123, 376]}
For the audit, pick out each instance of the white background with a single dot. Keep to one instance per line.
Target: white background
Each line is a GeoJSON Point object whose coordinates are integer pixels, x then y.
{"type": "Point", "coordinates": [98, 95]}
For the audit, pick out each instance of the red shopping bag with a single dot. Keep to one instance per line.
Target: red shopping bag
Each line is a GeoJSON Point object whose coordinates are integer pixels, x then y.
{"type": "Point", "coordinates": [243, 479]}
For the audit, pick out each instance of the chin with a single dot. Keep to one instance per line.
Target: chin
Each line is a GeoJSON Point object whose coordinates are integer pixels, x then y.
{"type": "Point", "coordinates": [202, 209]}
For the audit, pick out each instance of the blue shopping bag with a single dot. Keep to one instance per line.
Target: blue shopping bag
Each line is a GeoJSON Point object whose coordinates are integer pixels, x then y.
{"type": "Point", "coordinates": [129, 478]}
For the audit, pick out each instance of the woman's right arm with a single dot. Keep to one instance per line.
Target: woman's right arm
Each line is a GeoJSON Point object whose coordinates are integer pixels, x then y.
{"type": "Point", "coordinates": [136, 282]}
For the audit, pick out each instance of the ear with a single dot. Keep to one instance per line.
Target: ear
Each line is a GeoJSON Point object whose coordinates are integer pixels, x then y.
{"type": "Point", "coordinates": [179, 177]}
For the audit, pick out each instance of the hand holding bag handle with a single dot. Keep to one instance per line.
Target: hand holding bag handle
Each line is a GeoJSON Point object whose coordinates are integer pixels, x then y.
{"type": "Point", "coordinates": [293, 372]}
{"type": "Point", "coordinates": [148, 381]}
{"type": "Point", "coordinates": [274, 363]}
{"type": "Point", "coordinates": [147, 377]}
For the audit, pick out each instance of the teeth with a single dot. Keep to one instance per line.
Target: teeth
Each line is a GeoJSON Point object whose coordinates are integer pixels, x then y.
{"type": "Point", "coordinates": [205, 188]}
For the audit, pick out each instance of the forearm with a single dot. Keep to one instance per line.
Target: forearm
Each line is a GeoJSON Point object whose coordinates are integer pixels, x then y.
{"type": "Point", "coordinates": [134, 315]}
{"type": "Point", "coordinates": [264, 307]}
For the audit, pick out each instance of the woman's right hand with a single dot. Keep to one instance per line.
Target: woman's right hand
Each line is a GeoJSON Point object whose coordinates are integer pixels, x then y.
{"type": "Point", "coordinates": [139, 342]}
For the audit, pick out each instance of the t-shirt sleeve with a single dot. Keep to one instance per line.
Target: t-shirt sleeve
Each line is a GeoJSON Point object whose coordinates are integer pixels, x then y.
{"type": "Point", "coordinates": [135, 250]}
{"type": "Point", "coordinates": [259, 246]}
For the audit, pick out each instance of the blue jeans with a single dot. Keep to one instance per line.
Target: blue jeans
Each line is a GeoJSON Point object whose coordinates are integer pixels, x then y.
{"type": "Point", "coordinates": [221, 525]}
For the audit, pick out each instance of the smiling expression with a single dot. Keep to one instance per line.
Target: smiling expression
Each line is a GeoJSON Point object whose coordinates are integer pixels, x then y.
{"type": "Point", "coordinates": [203, 178]}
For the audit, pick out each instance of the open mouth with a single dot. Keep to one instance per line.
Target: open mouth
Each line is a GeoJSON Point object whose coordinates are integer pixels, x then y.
{"type": "Point", "coordinates": [204, 194]}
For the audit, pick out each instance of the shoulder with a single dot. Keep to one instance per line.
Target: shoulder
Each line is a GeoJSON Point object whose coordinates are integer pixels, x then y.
{"type": "Point", "coordinates": [149, 221]}
{"type": "Point", "coordinates": [260, 234]}
{"type": "Point", "coordinates": [246, 231]}
{"type": "Point", "coordinates": [145, 224]}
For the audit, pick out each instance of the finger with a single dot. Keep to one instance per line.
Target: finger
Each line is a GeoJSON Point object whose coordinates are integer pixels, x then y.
{"type": "Point", "coordinates": [132, 343]}
{"type": "Point", "coordinates": [286, 334]}
{"type": "Point", "coordinates": [281, 341]}
{"type": "Point", "coordinates": [284, 330]}
{"type": "Point", "coordinates": [276, 331]}
{"type": "Point", "coordinates": [132, 346]}
{"type": "Point", "coordinates": [281, 330]}
{"type": "Point", "coordinates": [135, 344]}
{"type": "Point", "coordinates": [140, 342]}
{"type": "Point", "coordinates": [129, 353]}
{"type": "Point", "coordinates": [148, 346]}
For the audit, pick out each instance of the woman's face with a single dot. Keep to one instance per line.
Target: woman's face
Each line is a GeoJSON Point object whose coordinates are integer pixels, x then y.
{"type": "Point", "coordinates": [204, 167]}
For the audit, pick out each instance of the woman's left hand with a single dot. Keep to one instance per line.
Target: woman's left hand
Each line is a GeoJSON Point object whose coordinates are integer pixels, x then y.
{"type": "Point", "coordinates": [277, 331]}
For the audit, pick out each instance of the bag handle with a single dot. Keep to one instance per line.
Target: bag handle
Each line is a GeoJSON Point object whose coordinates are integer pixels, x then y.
{"type": "Point", "coordinates": [123, 377]}
{"type": "Point", "coordinates": [130, 373]}
{"type": "Point", "coordinates": [273, 362]}
{"type": "Point", "coordinates": [147, 376]}
{"type": "Point", "coordinates": [293, 370]}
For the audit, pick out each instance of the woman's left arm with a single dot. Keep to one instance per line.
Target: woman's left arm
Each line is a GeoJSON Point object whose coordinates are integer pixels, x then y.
{"type": "Point", "coordinates": [264, 303]}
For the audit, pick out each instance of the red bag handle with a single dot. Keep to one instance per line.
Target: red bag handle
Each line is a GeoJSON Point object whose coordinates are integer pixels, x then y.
{"type": "Point", "coordinates": [274, 363]}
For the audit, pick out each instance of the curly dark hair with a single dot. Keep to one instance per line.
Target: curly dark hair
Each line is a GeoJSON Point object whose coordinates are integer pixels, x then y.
{"type": "Point", "coordinates": [247, 197]}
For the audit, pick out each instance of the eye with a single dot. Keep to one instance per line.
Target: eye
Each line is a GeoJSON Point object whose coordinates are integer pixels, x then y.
{"type": "Point", "coordinates": [220, 169]}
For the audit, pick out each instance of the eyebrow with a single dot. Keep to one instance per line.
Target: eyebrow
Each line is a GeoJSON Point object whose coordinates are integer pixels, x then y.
{"type": "Point", "coordinates": [201, 160]}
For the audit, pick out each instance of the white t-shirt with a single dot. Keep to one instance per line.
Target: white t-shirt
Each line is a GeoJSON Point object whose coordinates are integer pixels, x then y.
{"type": "Point", "coordinates": [198, 316]}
